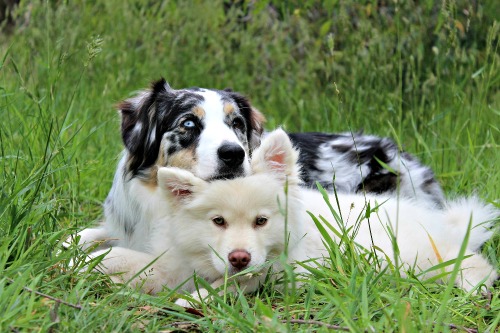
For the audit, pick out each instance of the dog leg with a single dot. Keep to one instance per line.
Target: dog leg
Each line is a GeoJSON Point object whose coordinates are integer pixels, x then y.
{"type": "Point", "coordinates": [138, 269]}
{"type": "Point", "coordinates": [90, 238]}
{"type": "Point", "coordinates": [475, 269]}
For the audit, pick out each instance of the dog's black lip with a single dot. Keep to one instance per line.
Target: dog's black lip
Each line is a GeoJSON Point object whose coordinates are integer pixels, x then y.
{"type": "Point", "coordinates": [226, 176]}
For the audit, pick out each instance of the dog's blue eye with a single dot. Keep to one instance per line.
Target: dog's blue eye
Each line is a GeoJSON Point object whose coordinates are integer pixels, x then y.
{"type": "Point", "coordinates": [188, 124]}
{"type": "Point", "coordinates": [260, 221]}
{"type": "Point", "coordinates": [219, 220]}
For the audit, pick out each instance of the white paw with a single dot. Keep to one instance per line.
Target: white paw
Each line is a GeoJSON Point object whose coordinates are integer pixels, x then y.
{"type": "Point", "coordinates": [87, 262]}
{"type": "Point", "coordinates": [67, 243]}
{"type": "Point", "coordinates": [89, 239]}
{"type": "Point", "coordinates": [184, 303]}
{"type": "Point", "coordinates": [193, 300]}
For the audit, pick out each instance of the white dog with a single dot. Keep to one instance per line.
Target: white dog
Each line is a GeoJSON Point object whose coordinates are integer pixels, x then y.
{"type": "Point", "coordinates": [220, 228]}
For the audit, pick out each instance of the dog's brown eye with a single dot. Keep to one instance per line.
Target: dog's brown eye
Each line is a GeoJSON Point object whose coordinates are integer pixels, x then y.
{"type": "Point", "coordinates": [238, 124]}
{"type": "Point", "coordinates": [260, 221]}
{"type": "Point", "coordinates": [219, 220]}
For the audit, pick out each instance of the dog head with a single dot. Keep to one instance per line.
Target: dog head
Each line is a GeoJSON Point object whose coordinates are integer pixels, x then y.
{"type": "Point", "coordinates": [235, 223]}
{"type": "Point", "coordinates": [208, 132]}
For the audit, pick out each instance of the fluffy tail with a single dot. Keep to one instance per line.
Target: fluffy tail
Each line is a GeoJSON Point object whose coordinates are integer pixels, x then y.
{"type": "Point", "coordinates": [482, 216]}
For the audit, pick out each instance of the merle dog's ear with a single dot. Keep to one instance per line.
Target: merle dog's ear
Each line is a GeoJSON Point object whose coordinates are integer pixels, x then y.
{"type": "Point", "coordinates": [179, 184]}
{"type": "Point", "coordinates": [131, 128]}
{"type": "Point", "coordinates": [254, 119]}
{"type": "Point", "coordinates": [276, 155]}
{"type": "Point", "coordinates": [257, 119]}
{"type": "Point", "coordinates": [138, 125]}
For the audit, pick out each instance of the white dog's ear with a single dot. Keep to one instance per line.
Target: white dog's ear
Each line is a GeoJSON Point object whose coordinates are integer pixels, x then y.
{"type": "Point", "coordinates": [178, 183]}
{"type": "Point", "coordinates": [277, 155]}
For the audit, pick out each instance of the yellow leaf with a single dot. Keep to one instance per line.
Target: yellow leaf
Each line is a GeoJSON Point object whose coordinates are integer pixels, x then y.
{"type": "Point", "coordinates": [435, 249]}
{"type": "Point", "coordinates": [459, 26]}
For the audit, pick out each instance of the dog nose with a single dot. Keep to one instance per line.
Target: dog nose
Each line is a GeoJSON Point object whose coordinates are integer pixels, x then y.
{"type": "Point", "coordinates": [239, 258]}
{"type": "Point", "coordinates": [231, 154]}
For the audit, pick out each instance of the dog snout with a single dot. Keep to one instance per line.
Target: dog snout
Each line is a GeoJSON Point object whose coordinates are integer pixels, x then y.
{"type": "Point", "coordinates": [231, 154]}
{"type": "Point", "coordinates": [239, 259]}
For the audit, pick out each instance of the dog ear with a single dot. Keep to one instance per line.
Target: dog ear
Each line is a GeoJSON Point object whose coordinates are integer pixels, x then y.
{"type": "Point", "coordinates": [178, 183]}
{"type": "Point", "coordinates": [276, 155]}
{"type": "Point", "coordinates": [139, 125]}
{"type": "Point", "coordinates": [131, 128]}
{"type": "Point", "coordinates": [257, 120]}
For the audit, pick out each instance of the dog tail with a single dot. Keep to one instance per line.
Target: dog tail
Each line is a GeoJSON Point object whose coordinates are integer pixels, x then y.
{"type": "Point", "coordinates": [481, 217]}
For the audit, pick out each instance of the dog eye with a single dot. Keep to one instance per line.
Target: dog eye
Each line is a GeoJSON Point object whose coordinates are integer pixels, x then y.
{"type": "Point", "coordinates": [219, 220]}
{"type": "Point", "coordinates": [238, 124]}
{"type": "Point", "coordinates": [188, 124]}
{"type": "Point", "coordinates": [260, 220]}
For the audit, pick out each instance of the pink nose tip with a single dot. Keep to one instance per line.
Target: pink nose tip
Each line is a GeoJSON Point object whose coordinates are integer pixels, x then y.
{"type": "Point", "coordinates": [239, 258]}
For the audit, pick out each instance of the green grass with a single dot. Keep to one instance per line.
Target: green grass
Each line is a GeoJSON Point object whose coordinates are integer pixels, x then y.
{"type": "Point", "coordinates": [426, 75]}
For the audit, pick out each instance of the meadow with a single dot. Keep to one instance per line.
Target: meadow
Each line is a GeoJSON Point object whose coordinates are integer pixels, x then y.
{"type": "Point", "coordinates": [423, 73]}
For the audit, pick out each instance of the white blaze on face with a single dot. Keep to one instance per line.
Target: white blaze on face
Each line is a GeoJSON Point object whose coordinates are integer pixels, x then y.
{"type": "Point", "coordinates": [215, 132]}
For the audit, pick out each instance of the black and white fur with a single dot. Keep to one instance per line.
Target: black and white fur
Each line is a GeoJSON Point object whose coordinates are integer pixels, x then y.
{"type": "Point", "coordinates": [354, 160]}
{"type": "Point", "coordinates": [212, 133]}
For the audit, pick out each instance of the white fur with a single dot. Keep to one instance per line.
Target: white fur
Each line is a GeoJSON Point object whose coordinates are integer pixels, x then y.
{"type": "Point", "coordinates": [212, 137]}
{"type": "Point", "coordinates": [186, 241]}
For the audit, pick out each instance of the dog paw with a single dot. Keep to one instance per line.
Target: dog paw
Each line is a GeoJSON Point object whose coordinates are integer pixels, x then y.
{"type": "Point", "coordinates": [193, 300]}
{"type": "Point", "coordinates": [184, 303]}
{"type": "Point", "coordinates": [90, 239]}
